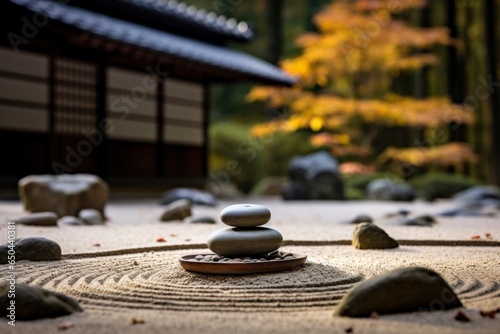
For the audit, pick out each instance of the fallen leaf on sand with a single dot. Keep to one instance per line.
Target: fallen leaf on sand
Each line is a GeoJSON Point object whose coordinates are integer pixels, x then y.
{"type": "Point", "coordinates": [97, 245]}
{"type": "Point", "coordinates": [489, 314]}
{"type": "Point", "coordinates": [137, 321]}
{"type": "Point", "coordinates": [173, 235]}
{"type": "Point", "coordinates": [65, 325]}
{"type": "Point", "coordinates": [488, 235]}
{"type": "Point", "coordinates": [348, 330]}
{"type": "Point", "coordinates": [374, 315]}
{"type": "Point", "coordinates": [160, 239]}
{"type": "Point", "coordinates": [475, 237]}
{"type": "Point", "coordinates": [462, 317]}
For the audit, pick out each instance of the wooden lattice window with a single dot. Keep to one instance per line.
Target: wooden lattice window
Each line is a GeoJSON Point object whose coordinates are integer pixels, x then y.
{"type": "Point", "coordinates": [74, 96]}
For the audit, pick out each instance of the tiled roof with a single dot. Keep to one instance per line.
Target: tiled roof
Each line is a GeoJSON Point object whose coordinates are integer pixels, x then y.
{"type": "Point", "coordinates": [113, 29]}
{"type": "Point", "coordinates": [173, 12]}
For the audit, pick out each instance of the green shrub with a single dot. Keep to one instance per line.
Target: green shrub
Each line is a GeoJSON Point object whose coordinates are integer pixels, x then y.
{"type": "Point", "coordinates": [235, 156]}
{"type": "Point", "coordinates": [280, 148]}
{"type": "Point", "coordinates": [269, 186]}
{"type": "Point", "coordinates": [441, 185]}
{"type": "Point", "coordinates": [234, 152]}
{"type": "Point", "coordinates": [359, 182]}
{"type": "Point", "coordinates": [354, 194]}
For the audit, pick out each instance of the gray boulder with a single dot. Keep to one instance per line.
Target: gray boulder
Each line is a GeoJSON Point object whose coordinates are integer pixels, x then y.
{"type": "Point", "coordinates": [177, 210]}
{"type": "Point", "coordinates": [477, 193]}
{"type": "Point", "coordinates": [370, 236]}
{"type": "Point", "coordinates": [63, 194]}
{"type": "Point", "coordinates": [32, 249]}
{"type": "Point", "coordinates": [465, 212]}
{"type": "Point", "coordinates": [36, 303]}
{"type": "Point", "coordinates": [402, 290]}
{"type": "Point", "coordinates": [477, 201]}
{"type": "Point", "coordinates": [388, 190]}
{"type": "Point", "coordinates": [314, 176]}
{"type": "Point", "coordinates": [38, 219]}
{"type": "Point", "coordinates": [195, 196]}
{"type": "Point", "coordinates": [478, 197]}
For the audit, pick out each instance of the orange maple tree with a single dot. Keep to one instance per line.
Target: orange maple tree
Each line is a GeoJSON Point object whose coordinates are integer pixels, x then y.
{"type": "Point", "coordinates": [345, 74]}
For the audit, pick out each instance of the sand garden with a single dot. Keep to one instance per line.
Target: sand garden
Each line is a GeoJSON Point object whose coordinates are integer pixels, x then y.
{"type": "Point", "coordinates": [127, 277]}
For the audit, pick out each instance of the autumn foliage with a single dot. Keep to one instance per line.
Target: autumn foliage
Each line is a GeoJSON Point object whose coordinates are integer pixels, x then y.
{"type": "Point", "coordinates": [345, 85]}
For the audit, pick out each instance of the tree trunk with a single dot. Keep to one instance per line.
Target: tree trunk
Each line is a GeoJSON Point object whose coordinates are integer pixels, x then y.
{"type": "Point", "coordinates": [456, 77]}
{"type": "Point", "coordinates": [421, 89]}
{"type": "Point", "coordinates": [494, 98]}
{"type": "Point", "coordinates": [274, 26]}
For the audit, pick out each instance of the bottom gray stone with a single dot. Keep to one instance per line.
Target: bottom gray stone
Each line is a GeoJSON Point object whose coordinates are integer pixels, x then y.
{"type": "Point", "coordinates": [237, 241]}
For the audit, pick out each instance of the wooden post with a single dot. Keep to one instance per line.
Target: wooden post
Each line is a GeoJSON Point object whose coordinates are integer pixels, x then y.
{"type": "Point", "coordinates": [160, 172]}
{"type": "Point", "coordinates": [206, 122]}
{"type": "Point", "coordinates": [51, 140]}
{"type": "Point", "coordinates": [101, 89]}
{"type": "Point", "coordinates": [456, 77]}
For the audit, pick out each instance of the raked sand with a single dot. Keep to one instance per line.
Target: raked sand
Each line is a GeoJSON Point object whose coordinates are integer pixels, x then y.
{"type": "Point", "coordinates": [119, 272]}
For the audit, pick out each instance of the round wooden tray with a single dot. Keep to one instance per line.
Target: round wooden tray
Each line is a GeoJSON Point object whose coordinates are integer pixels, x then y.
{"type": "Point", "coordinates": [239, 268]}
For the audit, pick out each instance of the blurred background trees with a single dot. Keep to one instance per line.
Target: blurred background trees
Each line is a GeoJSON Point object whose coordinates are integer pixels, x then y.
{"type": "Point", "coordinates": [408, 89]}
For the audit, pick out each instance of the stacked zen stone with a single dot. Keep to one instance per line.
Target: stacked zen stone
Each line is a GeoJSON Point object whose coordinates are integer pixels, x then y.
{"type": "Point", "coordinates": [247, 238]}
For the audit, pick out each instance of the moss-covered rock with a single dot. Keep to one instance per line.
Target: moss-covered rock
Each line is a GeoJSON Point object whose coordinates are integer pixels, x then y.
{"type": "Point", "coordinates": [370, 236]}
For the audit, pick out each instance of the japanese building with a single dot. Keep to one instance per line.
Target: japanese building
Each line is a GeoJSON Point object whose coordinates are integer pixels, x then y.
{"type": "Point", "coordinates": [118, 88]}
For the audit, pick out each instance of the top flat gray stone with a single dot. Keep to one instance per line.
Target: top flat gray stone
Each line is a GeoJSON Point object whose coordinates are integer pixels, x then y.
{"type": "Point", "coordinates": [245, 215]}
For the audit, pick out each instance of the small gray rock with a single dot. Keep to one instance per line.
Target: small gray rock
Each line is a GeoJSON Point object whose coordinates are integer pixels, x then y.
{"type": "Point", "coordinates": [177, 210]}
{"type": "Point", "coordinates": [401, 290]}
{"type": "Point", "coordinates": [238, 241]}
{"type": "Point", "coordinates": [38, 219]}
{"type": "Point", "coordinates": [425, 220]}
{"type": "Point", "coordinates": [399, 213]}
{"type": "Point", "coordinates": [370, 236]}
{"type": "Point", "coordinates": [71, 220]}
{"type": "Point", "coordinates": [202, 220]}
{"type": "Point", "coordinates": [245, 215]}
{"type": "Point", "coordinates": [195, 196]}
{"type": "Point", "coordinates": [403, 212]}
{"type": "Point", "coordinates": [36, 303]}
{"type": "Point", "coordinates": [33, 249]}
{"type": "Point", "coordinates": [91, 217]}
{"type": "Point", "coordinates": [361, 219]}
